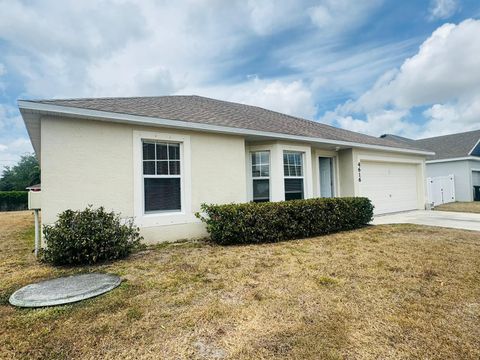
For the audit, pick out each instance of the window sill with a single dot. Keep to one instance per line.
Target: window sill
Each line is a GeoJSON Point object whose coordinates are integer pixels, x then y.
{"type": "Point", "coordinates": [163, 213]}
{"type": "Point", "coordinates": [165, 218]}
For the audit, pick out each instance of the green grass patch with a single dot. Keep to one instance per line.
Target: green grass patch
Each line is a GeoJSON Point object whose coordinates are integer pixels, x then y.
{"type": "Point", "coordinates": [327, 281]}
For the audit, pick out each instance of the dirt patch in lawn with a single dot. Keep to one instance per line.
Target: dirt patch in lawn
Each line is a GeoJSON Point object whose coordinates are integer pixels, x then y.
{"type": "Point", "coordinates": [393, 291]}
{"type": "Point", "coordinates": [469, 207]}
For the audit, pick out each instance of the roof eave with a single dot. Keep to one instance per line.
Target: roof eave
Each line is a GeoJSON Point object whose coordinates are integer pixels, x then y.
{"type": "Point", "coordinates": [30, 107]}
{"type": "Point", "coordinates": [32, 123]}
{"type": "Point", "coordinates": [463, 158]}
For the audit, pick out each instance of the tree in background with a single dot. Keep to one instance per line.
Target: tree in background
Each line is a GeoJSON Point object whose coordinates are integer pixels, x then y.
{"type": "Point", "coordinates": [18, 177]}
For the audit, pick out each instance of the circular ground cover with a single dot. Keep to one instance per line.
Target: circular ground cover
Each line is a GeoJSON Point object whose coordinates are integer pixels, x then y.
{"type": "Point", "coordinates": [64, 290]}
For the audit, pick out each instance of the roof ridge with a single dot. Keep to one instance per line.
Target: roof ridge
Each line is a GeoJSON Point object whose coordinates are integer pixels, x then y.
{"type": "Point", "coordinates": [108, 98]}
{"type": "Point", "coordinates": [447, 135]}
{"type": "Point", "coordinates": [397, 136]}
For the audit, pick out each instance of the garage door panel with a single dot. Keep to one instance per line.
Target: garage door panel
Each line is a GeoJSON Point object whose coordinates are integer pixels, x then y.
{"type": "Point", "coordinates": [391, 187]}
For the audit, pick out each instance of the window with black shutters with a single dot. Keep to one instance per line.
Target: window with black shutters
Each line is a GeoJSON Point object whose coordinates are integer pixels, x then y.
{"type": "Point", "coordinates": [261, 176]}
{"type": "Point", "coordinates": [293, 175]}
{"type": "Point", "coordinates": [161, 176]}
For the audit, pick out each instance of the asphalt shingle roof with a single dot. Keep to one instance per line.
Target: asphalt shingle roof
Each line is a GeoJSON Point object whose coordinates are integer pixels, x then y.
{"type": "Point", "coordinates": [446, 146]}
{"type": "Point", "coordinates": [197, 109]}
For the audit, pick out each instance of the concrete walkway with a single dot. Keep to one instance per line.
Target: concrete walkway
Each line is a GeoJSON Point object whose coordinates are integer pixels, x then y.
{"type": "Point", "coordinates": [457, 220]}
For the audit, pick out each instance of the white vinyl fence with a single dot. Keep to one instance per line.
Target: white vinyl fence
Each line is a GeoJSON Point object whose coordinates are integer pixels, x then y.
{"type": "Point", "coordinates": [441, 189]}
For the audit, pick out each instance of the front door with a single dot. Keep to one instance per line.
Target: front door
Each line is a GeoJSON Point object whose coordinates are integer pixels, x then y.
{"type": "Point", "coordinates": [326, 176]}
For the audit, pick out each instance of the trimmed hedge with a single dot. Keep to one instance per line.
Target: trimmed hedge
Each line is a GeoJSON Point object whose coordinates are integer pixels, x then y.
{"type": "Point", "coordinates": [13, 200]}
{"type": "Point", "coordinates": [277, 221]}
{"type": "Point", "coordinates": [89, 236]}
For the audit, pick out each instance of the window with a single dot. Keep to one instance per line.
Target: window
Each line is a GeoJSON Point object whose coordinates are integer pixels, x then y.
{"type": "Point", "coordinates": [161, 176]}
{"type": "Point", "coordinates": [293, 174]}
{"type": "Point", "coordinates": [261, 176]}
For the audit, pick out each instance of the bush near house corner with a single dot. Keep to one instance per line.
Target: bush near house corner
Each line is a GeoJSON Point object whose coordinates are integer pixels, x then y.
{"type": "Point", "coordinates": [89, 236]}
{"type": "Point", "coordinates": [277, 221]}
{"type": "Point", "coordinates": [13, 200]}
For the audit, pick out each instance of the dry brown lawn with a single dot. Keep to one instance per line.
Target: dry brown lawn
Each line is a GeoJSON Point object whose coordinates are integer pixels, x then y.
{"type": "Point", "coordinates": [470, 207]}
{"type": "Point", "coordinates": [384, 292]}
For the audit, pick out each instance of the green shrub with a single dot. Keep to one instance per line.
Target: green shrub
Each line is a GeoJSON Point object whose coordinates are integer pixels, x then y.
{"type": "Point", "coordinates": [89, 236]}
{"type": "Point", "coordinates": [13, 200]}
{"type": "Point", "coordinates": [286, 220]}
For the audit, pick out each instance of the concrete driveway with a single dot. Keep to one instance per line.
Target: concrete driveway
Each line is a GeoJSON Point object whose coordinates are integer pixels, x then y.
{"type": "Point", "coordinates": [457, 220]}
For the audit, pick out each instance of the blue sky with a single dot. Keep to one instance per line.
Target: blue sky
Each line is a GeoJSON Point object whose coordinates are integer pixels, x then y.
{"type": "Point", "coordinates": [407, 67]}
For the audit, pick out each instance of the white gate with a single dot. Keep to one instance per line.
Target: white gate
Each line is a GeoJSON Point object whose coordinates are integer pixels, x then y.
{"type": "Point", "coordinates": [441, 189]}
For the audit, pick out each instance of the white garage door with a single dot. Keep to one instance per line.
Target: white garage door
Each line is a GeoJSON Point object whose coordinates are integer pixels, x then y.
{"type": "Point", "coordinates": [390, 186]}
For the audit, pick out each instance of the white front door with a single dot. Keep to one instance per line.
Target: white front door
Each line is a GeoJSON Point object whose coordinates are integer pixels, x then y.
{"type": "Point", "coordinates": [391, 187]}
{"type": "Point", "coordinates": [326, 176]}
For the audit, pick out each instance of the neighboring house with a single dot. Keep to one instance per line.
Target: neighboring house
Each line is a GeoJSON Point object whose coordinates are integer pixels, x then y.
{"type": "Point", "coordinates": [455, 154]}
{"type": "Point", "coordinates": [159, 158]}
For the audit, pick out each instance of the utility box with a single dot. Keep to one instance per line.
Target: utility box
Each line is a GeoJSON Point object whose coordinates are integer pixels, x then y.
{"type": "Point", "coordinates": [34, 197]}
{"type": "Point", "coordinates": [35, 204]}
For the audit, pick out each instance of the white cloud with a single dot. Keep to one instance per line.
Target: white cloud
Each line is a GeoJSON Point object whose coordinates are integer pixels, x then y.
{"type": "Point", "coordinates": [50, 48]}
{"type": "Point", "coordinates": [380, 122]}
{"type": "Point", "coordinates": [3, 71]}
{"type": "Point", "coordinates": [51, 27]}
{"type": "Point", "coordinates": [349, 70]}
{"type": "Point", "coordinates": [68, 49]}
{"type": "Point", "coordinates": [269, 16]}
{"type": "Point", "coordinates": [462, 115]}
{"type": "Point", "coordinates": [332, 17]}
{"type": "Point", "coordinates": [290, 97]}
{"type": "Point", "coordinates": [89, 48]}
{"type": "Point", "coordinates": [340, 15]}
{"type": "Point", "coordinates": [442, 9]}
{"type": "Point", "coordinates": [10, 119]}
{"type": "Point", "coordinates": [444, 68]}
{"type": "Point", "coordinates": [13, 142]}
{"type": "Point", "coordinates": [444, 75]}
{"type": "Point", "coordinates": [11, 150]}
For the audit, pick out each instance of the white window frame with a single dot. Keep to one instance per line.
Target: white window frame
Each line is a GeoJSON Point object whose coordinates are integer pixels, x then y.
{"type": "Point", "coordinates": [158, 218]}
{"type": "Point", "coordinates": [253, 178]}
{"type": "Point", "coordinates": [156, 176]}
{"type": "Point", "coordinates": [302, 157]}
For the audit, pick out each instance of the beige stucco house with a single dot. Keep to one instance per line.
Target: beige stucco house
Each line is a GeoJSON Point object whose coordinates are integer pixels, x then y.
{"type": "Point", "coordinates": [157, 159]}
